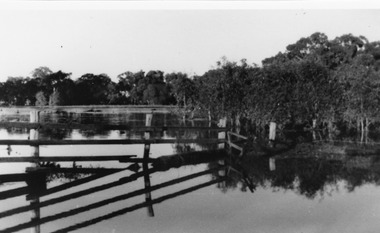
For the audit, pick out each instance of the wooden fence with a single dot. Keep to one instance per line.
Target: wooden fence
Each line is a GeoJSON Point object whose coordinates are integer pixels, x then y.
{"type": "Point", "coordinates": [35, 175]}
{"type": "Point", "coordinates": [236, 144]}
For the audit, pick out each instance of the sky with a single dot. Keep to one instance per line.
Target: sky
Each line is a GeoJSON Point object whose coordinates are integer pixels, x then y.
{"type": "Point", "coordinates": [190, 37]}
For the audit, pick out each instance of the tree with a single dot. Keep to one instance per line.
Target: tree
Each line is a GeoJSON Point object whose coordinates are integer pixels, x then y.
{"type": "Point", "coordinates": [41, 72]}
{"type": "Point", "coordinates": [49, 82]}
{"type": "Point", "coordinates": [297, 92]}
{"type": "Point", "coordinates": [2, 94]}
{"type": "Point", "coordinates": [41, 99]}
{"type": "Point", "coordinates": [278, 95]}
{"type": "Point", "coordinates": [129, 84]}
{"type": "Point", "coordinates": [155, 91]}
{"type": "Point", "coordinates": [55, 98]}
{"type": "Point", "coordinates": [317, 92]}
{"type": "Point", "coordinates": [123, 87]}
{"type": "Point", "coordinates": [66, 89]}
{"type": "Point", "coordinates": [31, 89]}
{"type": "Point", "coordinates": [373, 49]}
{"type": "Point", "coordinates": [93, 89]}
{"type": "Point", "coordinates": [313, 47]}
{"type": "Point", "coordinates": [222, 91]}
{"type": "Point", "coordinates": [343, 49]}
{"type": "Point", "coordinates": [305, 80]}
{"type": "Point", "coordinates": [182, 88]}
{"type": "Point", "coordinates": [53, 81]}
{"type": "Point", "coordinates": [309, 47]}
{"type": "Point", "coordinates": [317, 47]}
{"type": "Point", "coordinates": [361, 84]}
{"type": "Point", "coordinates": [144, 89]}
{"type": "Point", "coordinates": [14, 91]}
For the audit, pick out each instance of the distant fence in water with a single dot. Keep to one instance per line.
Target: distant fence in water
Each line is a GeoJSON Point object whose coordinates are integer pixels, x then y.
{"type": "Point", "coordinates": [90, 108]}
{"type": "Point", "coordinates": [33, 122]}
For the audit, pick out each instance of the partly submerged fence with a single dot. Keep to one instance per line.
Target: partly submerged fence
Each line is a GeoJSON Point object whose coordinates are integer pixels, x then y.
{"type": "Point", "coordinates": [35, 175]}
{"type": "Point", "coordinates": [34, 125]}
{"type": "Point", "coordinates": [236, 144]}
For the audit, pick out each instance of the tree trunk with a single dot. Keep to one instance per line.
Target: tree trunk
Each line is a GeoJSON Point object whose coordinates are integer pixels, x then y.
{"type": "Point", "coordinates": [314, 129]}
{"type": "Point", "coordinates": [330, 129]}
{"type": "Point", "coordinates": [366, 129]}
{"type": "Point", "coordinates": [362, 129]}
{"type": "Point", "coordinates": [237, 121]}
{"type": "Point", "coordinates": [362, 137]}
{"type": "Point", "coordinates": [367, 124]}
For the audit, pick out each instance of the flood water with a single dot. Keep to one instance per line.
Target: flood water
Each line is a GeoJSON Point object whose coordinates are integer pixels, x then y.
{"type": "Point", "coordinates": [252, 194]}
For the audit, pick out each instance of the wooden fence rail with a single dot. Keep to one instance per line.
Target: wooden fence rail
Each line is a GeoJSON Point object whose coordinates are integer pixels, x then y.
{"type": "Point", "coordinates": [233, 144]}
{"type": "Point", "coordinates": [107, 141]}
{"type": "Point", "coordinates": [91, 109]}
{"type": "Point", "coordinates": [72, 170]}
{"type": "Point", "coordinates": [29, 159]}
{"type": "Point", "coordinates": [50, 125]}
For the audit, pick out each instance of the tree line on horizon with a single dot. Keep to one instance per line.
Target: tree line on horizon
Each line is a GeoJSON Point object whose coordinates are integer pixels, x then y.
{"type": "Point", "coordinates": [316, 80]}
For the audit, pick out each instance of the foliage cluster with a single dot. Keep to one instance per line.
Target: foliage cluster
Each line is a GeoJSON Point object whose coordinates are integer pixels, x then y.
{"type": "Point", "coordinates": [315, 81]}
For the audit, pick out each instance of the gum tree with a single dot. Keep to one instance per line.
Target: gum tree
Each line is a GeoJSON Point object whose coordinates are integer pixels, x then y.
{"type": "Point", "coordinates": [361, 83]}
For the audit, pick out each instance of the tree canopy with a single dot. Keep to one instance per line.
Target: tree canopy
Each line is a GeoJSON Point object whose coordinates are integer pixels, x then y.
{"type": "Point", "coordinates": [315, 79]}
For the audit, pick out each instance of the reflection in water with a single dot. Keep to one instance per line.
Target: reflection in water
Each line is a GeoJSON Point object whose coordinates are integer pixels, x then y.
{"type": "Point", "coordinates": [9, 149]}
{"type": "Point", "coordinates": [36, 181]}
{"type": "Point", "coordinates": [105, 193]}
{"type": "Point", "coordinates": [63, 175]}
{"type": "Point", "coordinates": [309, 176]}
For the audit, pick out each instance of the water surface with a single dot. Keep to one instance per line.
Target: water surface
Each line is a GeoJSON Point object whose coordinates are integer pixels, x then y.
{"type": "Point", "coordinates": [308, 194]}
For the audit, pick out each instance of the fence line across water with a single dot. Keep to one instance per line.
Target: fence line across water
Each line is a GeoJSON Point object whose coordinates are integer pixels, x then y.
{"type": "Point", "coordinates": [36, 175]}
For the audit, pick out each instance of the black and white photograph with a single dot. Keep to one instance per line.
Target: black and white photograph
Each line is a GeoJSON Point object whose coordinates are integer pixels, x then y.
{"type": "Point", "coordinates": [190, 116]}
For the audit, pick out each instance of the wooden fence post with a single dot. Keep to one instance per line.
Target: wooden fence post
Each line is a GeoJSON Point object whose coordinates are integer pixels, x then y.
{"type": "Point", "coordinates": [35, 152]}
{"type": "Point", "coordinates": [222, 174]}
{"type": "Point", "coordinates": [222, 134]}
{"type": "Point", "coordinates": [148, 194]}
{"type": "Point", "coordinates": [148, 123]}
{"type": "Point", "coordinates": [33, 133]}
{"type": "Point", "coordinates": [272, 133]}
{"type": "Point", "coordinates": [272, 164]}
{"type": "Point", "coordinates": [35, 215]}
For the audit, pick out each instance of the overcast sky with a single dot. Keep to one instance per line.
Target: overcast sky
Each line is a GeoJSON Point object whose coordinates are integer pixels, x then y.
{"type": "Point", "coordinates": [111, 38]}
